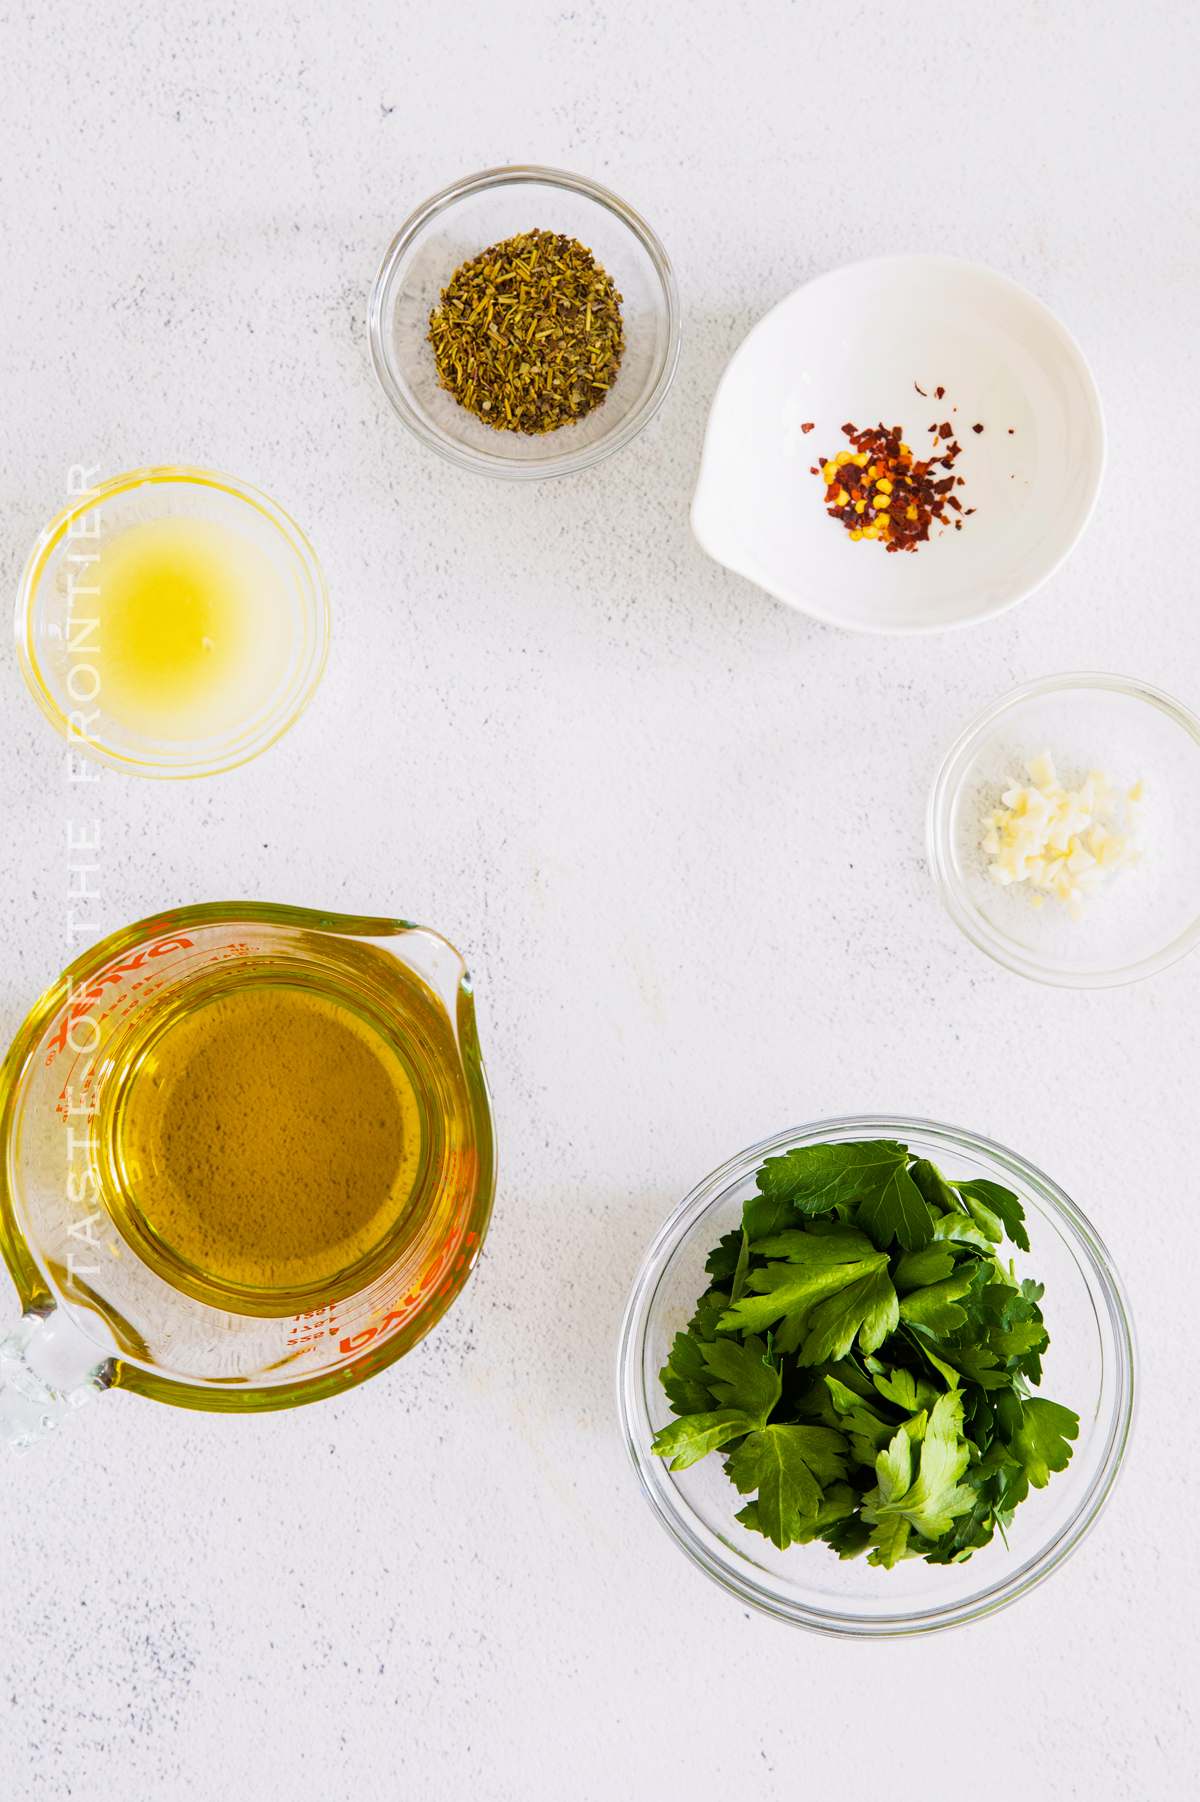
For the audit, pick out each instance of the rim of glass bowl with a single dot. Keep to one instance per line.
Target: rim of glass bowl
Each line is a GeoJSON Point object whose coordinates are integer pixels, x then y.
{"type": "Point", "coordinates": [673, 1512]}
{"type": "Point", "coordinates": [314, 596]}
{"type": "Point", "coordinates": [940, 811]}
{"type": "Point", "coordinates": [382, 294]}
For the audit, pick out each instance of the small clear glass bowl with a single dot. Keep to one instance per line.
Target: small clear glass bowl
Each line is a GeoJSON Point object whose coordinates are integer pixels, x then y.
{"type": "Point", "coordinates": [97, 516]}
{"type": "Point", "coordinates": [1089, 1367]}
{"type": "Point", "coordinates": [471, 216]}
{"type": "Point", "coordinates": [1135, 923]}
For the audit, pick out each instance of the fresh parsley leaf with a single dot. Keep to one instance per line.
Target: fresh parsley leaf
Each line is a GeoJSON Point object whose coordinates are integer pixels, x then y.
{"type": "Point", "coordinates": [789, 1467]}
{"type": "Point", "coordinates": [989, 1224]}
{"type": "Point", "coordinates": [840, 1503]}
{"type": "Point", "coordinates": [709, 1309]}
{"type": "Point", "coordinates": [903, 1390]}
{"type": "Point", "coordinates": [741, 1376]}
{"type": "Point", "coordinates": [722, 1260]}
{"type": "Point", "coordinates": [1024, 1336]}
{"type": "Point", "coordinates": [839, 1245]}
{"type": "Point", "coordinates": [865, 1428]}
{"type": "Point", "coordinates": [745, 1386]}
{"type": "Point", "coordinates": [897, 1210]}
{"type": "Point", "coordinates": [929, 1265]}
{"type": "Point", "coordinates": [963, 1231]}
{"type": "Point", "coordinates": [980, 1367]}
{"type": "Point", "coordinates": [947, 1372]}
{"type": "Point", "coordinates": [866, 1310]}
{"type": "Point", "coordinates": [1001, 1203]}
{"type": "Point", "coordinates": [685, 1377]}
{"type": "Point", "coordinates": [934, 1187]}
{"type": "Point", "coordinates": [1009, 1322]}
{"type": "Point", "coordinates": [688, 1440]}
{"type": "Point", "coordinates": [889, 1538]}
{"type": "Point", "coordinates": [1008, 1415]}
{"type": "Point", "coordinates": [849, 1538]}
{"type": "Point", "coordinates": [934, 1306]}
{"type": "Point", "coordinates": [965, 1535]}
{"type": "Point", "coordinates": [815, 1268]}
{"type": "Point", "coordinates": [741, 1268]}
{"type": "Point", "coordinates": [814, 1179]}
{"type": "Point", "coordinates": [1041, 1444]}
{"type": "Point", "coordinates": [925, 1492]}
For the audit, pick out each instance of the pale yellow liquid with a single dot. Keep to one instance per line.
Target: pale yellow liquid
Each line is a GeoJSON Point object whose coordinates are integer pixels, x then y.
{"type": "Point", "coordinates": [194, 628]}
{"type": "Point", "coordinates": [270, 1139]}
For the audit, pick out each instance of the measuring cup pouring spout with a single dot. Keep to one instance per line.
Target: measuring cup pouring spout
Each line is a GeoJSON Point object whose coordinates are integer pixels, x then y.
{"type": "Point", "coordinates": [48, 1369]}
{"type": "Point", "coordinates": [138, 1263]}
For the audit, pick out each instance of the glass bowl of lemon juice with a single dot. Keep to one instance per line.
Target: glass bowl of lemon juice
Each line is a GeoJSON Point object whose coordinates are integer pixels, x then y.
{"type": "Point", "coordinates": [172, 622]}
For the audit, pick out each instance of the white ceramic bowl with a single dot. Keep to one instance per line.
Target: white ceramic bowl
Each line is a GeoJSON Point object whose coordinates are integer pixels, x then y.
{"type": "Point", "coordinates": [850, 347]}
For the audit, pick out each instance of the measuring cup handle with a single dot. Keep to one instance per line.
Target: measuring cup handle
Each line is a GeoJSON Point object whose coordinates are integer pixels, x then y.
{"type": "Point", "coordinates": [48, 1369]}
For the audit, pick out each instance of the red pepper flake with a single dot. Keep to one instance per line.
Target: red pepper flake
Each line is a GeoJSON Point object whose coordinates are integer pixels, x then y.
{"type": "Point", "coordinates": [879, 491]}
{"type": "Point", "coordinates": [977, 428]}
{"type": "Point", "coordinates": [947, 430]}
{"type": "Point", "coordinates": [939, 392]}
{"type": "Point", "coordinates": [1010, 431]}
{"type": "Point", "coordinates": [810, 427]}
{"type": "Point", "coordinates": [920, 391]}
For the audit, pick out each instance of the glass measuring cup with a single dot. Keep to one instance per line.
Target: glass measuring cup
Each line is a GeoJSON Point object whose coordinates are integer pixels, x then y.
{"type": "Point", "coordinates": [107, 1302]}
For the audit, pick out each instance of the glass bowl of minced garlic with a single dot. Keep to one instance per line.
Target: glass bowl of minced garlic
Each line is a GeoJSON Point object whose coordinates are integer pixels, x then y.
{"type": "Point", "coordinates": [1058, 830]}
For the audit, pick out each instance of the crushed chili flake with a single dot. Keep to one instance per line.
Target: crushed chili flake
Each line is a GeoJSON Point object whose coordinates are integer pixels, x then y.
{"type": "Point", "coordinates": [977, 428]}
{"type": "Point", "coordinates": [879, 490]}
{"type": "Point", "coordinates": [811, 427]}
{"type": "Point", "coordinates": [920, 391]}
{"type": "Point", "coordinates": [939, 392]}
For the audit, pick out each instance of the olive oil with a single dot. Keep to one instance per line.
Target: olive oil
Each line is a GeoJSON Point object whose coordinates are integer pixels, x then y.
{"type": "Point", "coordinates": [192, 627]}
{"type": "Point", "coordinates": [270, 1139]}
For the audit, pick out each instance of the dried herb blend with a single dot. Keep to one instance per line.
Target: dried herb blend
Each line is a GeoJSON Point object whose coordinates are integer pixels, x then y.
{"type": "Point", "coordinates": [864, 1359]}
{"type": "Point", "coordinates": [528, 334]}
{"type": "Point", "coordinates": [879, 490]}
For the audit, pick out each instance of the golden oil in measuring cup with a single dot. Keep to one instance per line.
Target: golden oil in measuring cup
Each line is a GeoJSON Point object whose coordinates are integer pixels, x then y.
{"type": "Point", "coordinates": [267, 1145]}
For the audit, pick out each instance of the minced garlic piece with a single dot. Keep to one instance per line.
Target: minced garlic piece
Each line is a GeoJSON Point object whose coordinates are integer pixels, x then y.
{"type": "Point", "coordinates": [1055, 838]}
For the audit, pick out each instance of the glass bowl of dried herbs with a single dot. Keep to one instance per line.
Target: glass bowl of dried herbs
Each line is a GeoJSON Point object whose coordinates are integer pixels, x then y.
{"type": "Point", "coordinates": [877, 1301]}
{"type": "Point", "coordinates": [525, 323]}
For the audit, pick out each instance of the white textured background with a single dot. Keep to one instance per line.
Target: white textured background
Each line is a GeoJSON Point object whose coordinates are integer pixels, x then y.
{"type": "Point", "coordinates": [674, 827]}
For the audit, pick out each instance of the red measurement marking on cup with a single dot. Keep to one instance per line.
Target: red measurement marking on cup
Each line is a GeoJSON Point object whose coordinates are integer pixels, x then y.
{"type": "Point", "coordinates": [89, 994]}
{"type": "Point", "coordinates": [434, 1281]}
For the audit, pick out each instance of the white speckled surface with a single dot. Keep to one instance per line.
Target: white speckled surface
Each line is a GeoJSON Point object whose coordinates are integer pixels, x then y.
{"type": "Point", "coordinates": [674, 827]}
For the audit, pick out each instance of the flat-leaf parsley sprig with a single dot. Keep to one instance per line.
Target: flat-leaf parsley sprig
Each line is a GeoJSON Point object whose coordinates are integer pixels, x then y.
{"type": "Point", "coordinates": [864, 1359]}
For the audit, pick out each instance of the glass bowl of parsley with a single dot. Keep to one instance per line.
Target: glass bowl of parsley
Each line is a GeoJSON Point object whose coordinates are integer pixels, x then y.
{"type": "Point", "coordinates": [876, 1376]}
